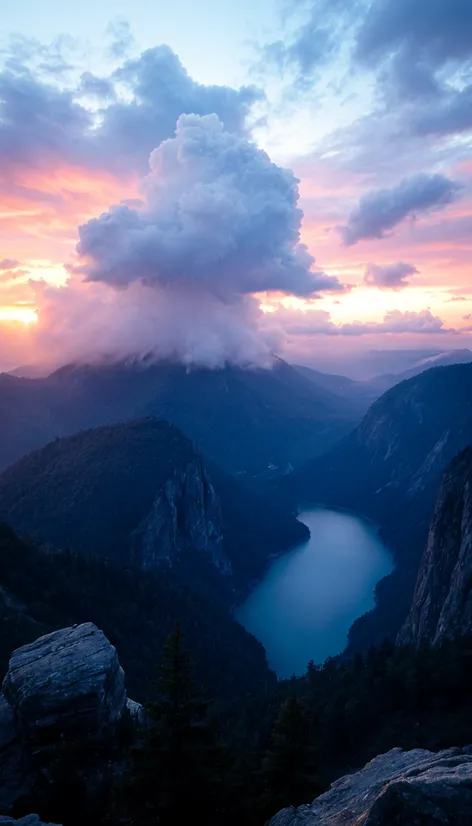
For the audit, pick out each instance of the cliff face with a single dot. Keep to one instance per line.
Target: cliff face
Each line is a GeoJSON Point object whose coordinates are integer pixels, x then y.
{"type": "Point", "coordinates": [128, 490]}
{"type": "Point", "coordinates": [414, 787]}
{"type": "Point", "coordinates": [185, 516]}
{"type": "Point", "coordinates": [442, 600]}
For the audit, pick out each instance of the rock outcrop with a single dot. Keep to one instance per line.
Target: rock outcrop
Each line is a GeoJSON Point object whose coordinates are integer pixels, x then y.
{"type": "Point", "coordinates": [185, 516]}
{"type": "Point", "coordinates": [412, 788]}
{"type": "Point", "coordinates": [442, 601]}
{"type": "Point", "coordinates": [65, 689]}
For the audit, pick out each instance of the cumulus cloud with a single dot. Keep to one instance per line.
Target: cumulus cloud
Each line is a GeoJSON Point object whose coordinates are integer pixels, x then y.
{"type": "Point", "coordinates": [389, 277]}
{"type": "Point", "coordinates": [44, 124]}
{"type": "Point", "coordinates": [319, 322]}
{"type": "Point", "coordinates": [397, 322]}
{"type": "Point", "coordinates": [381, 210]}
{"type": "Point", "coordinates": [8, 264]}
{"type": "Point", "coordinates": [217, 214]}
{"type": "Point", "coordinates": [91, 322]}
{"type": "Point", "coordinates": [173, 275]}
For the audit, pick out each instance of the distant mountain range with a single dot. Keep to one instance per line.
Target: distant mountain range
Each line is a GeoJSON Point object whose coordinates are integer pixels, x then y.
{"type": "Point", "coordinates": [385, 381]}
{"type": "Point", "coordinates": [247, 421]}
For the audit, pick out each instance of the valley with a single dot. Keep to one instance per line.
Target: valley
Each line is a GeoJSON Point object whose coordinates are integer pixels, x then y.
{"type": "Point", "coordinates": [134, 523]}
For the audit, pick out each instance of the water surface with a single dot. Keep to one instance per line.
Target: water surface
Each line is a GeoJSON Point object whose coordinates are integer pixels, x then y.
{"type": "Point", "coordinates": [308, 599]}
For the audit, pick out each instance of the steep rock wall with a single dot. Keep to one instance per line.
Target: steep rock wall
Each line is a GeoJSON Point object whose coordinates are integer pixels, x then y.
{"type": "Point", "coordinates": [442, 600]}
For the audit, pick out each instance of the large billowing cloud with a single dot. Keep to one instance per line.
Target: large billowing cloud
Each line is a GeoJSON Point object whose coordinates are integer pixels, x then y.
{"type": "Point", "coordinates": [91, 322]}
{"type": "Point", "coordinates": [381, 210]}
{"type": "Point", "coordinates": [173, 275]}
{"type": "Point", "coordinates": [45, 123]}
{"type": "Point", "coordinates": [217, 214]}
{"type": "Point", "coordinates": [390, 276]}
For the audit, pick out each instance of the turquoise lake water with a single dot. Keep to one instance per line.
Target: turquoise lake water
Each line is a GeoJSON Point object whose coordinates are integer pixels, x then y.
{"type": "Point", "coordinates": [308, 598]}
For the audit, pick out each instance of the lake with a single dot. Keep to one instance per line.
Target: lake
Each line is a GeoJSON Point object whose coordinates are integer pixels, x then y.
{"type": "Point", "coordinates": [306, 602]}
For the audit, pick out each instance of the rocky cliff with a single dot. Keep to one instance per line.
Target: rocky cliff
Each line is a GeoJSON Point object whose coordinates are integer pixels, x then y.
{"type": "Point", "coordinates": [139, 491]}
{"type": "Point", "coordinates": [66, 689]}
{"type": "Point", "coordinates": [136, 490]}
{"type": "Point", "coordinates": [442, 600]}
{"type": "Point", "coordinates": [185, 516]}
{"type": "Point", "coordinates": [418, 787]}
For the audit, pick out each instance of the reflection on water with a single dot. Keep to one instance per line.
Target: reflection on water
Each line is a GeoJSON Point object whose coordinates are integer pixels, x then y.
{"type": "Point", "coordinates": [304, 606]}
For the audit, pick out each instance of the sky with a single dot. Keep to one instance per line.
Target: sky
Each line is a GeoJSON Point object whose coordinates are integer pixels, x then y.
{"type": "Point", "coordinates": [214, 182]}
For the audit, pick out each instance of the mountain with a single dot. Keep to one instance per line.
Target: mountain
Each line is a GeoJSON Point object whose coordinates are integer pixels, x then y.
{"type": "Point", "coordinates": [139, 493]}
{"type": "Point", "coordinates": [251, 422]}
{"type": "Point", "coordinates": [385, 381]}
{"type": "Point", "coordinates": [389, 468]}
{"type": "Point", "coordinates": [442, 600]}
{"type": "Point", "coordinates": [359, 394]}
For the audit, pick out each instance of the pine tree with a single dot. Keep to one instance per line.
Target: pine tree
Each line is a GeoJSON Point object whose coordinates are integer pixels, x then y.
{"type": "Point", "coordinates": [179, 769]}
{"type": "Point", "coordinates": [289, 764]}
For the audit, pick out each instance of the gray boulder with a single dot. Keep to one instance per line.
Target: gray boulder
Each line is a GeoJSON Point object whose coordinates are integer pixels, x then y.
{"type": "Point", "coordinates": [413, 788]}
{"type": "Point", "coordinates": [69, 681]}
{"type": "Point", "coordinates": [66, 688]}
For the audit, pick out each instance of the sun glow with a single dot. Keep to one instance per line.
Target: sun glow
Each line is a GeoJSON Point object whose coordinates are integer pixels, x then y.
{"type": "Point", "coordinates": [24, 315]}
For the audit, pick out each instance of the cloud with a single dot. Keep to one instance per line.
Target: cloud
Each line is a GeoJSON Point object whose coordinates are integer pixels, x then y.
{"type": "Point", "coordinates": [422, 54]}
{"type": "Point", "coordinates": [91, 323]}
{"type": "Point", "coordinates": [381, 210]}
{"type": "Point", "coordinates": [217, 214]}
{"type": "Point", "coordinates": [314, 40]}
{"type": "Point", "coordinates": [9, 264]}
{"type": "Point", "coordinates": [422, 322]}
{"type": "Point", "coordinates": [173, 274]}
{"type": "Point", "coordinates": [319, 322]}
{"type": "Point", "coordinates": [450, 115]}
{"type": "Point", "coordinates": [424, 33]}
{"type": "Point", "coordinates": [44, 125]}
{"type": "Point", "coordinates": [389, 277]}
{"type": "Point", "coordinates": [122, 39]}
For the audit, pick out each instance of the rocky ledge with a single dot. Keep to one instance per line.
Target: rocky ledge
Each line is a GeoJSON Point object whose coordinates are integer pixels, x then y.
{"type": "Point", "coordinates": [395, 789]}
{"type": "Point", "coordinates": [65, 689]}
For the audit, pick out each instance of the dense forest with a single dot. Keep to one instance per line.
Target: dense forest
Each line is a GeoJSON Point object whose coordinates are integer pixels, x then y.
{"type": "Point", "coordinates": [241, 744]}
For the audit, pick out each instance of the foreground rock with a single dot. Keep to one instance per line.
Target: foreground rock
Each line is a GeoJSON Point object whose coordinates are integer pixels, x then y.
{"type": "Point", "coordinates": [442, 601]}
{"type": "Point", "coordinates": [412, 788]}
{"type": "Point", "coordinates": [64, 691]}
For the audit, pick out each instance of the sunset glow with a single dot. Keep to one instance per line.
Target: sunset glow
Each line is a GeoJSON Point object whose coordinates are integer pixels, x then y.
{"type": "Point", "coordinates": [379, 196]}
